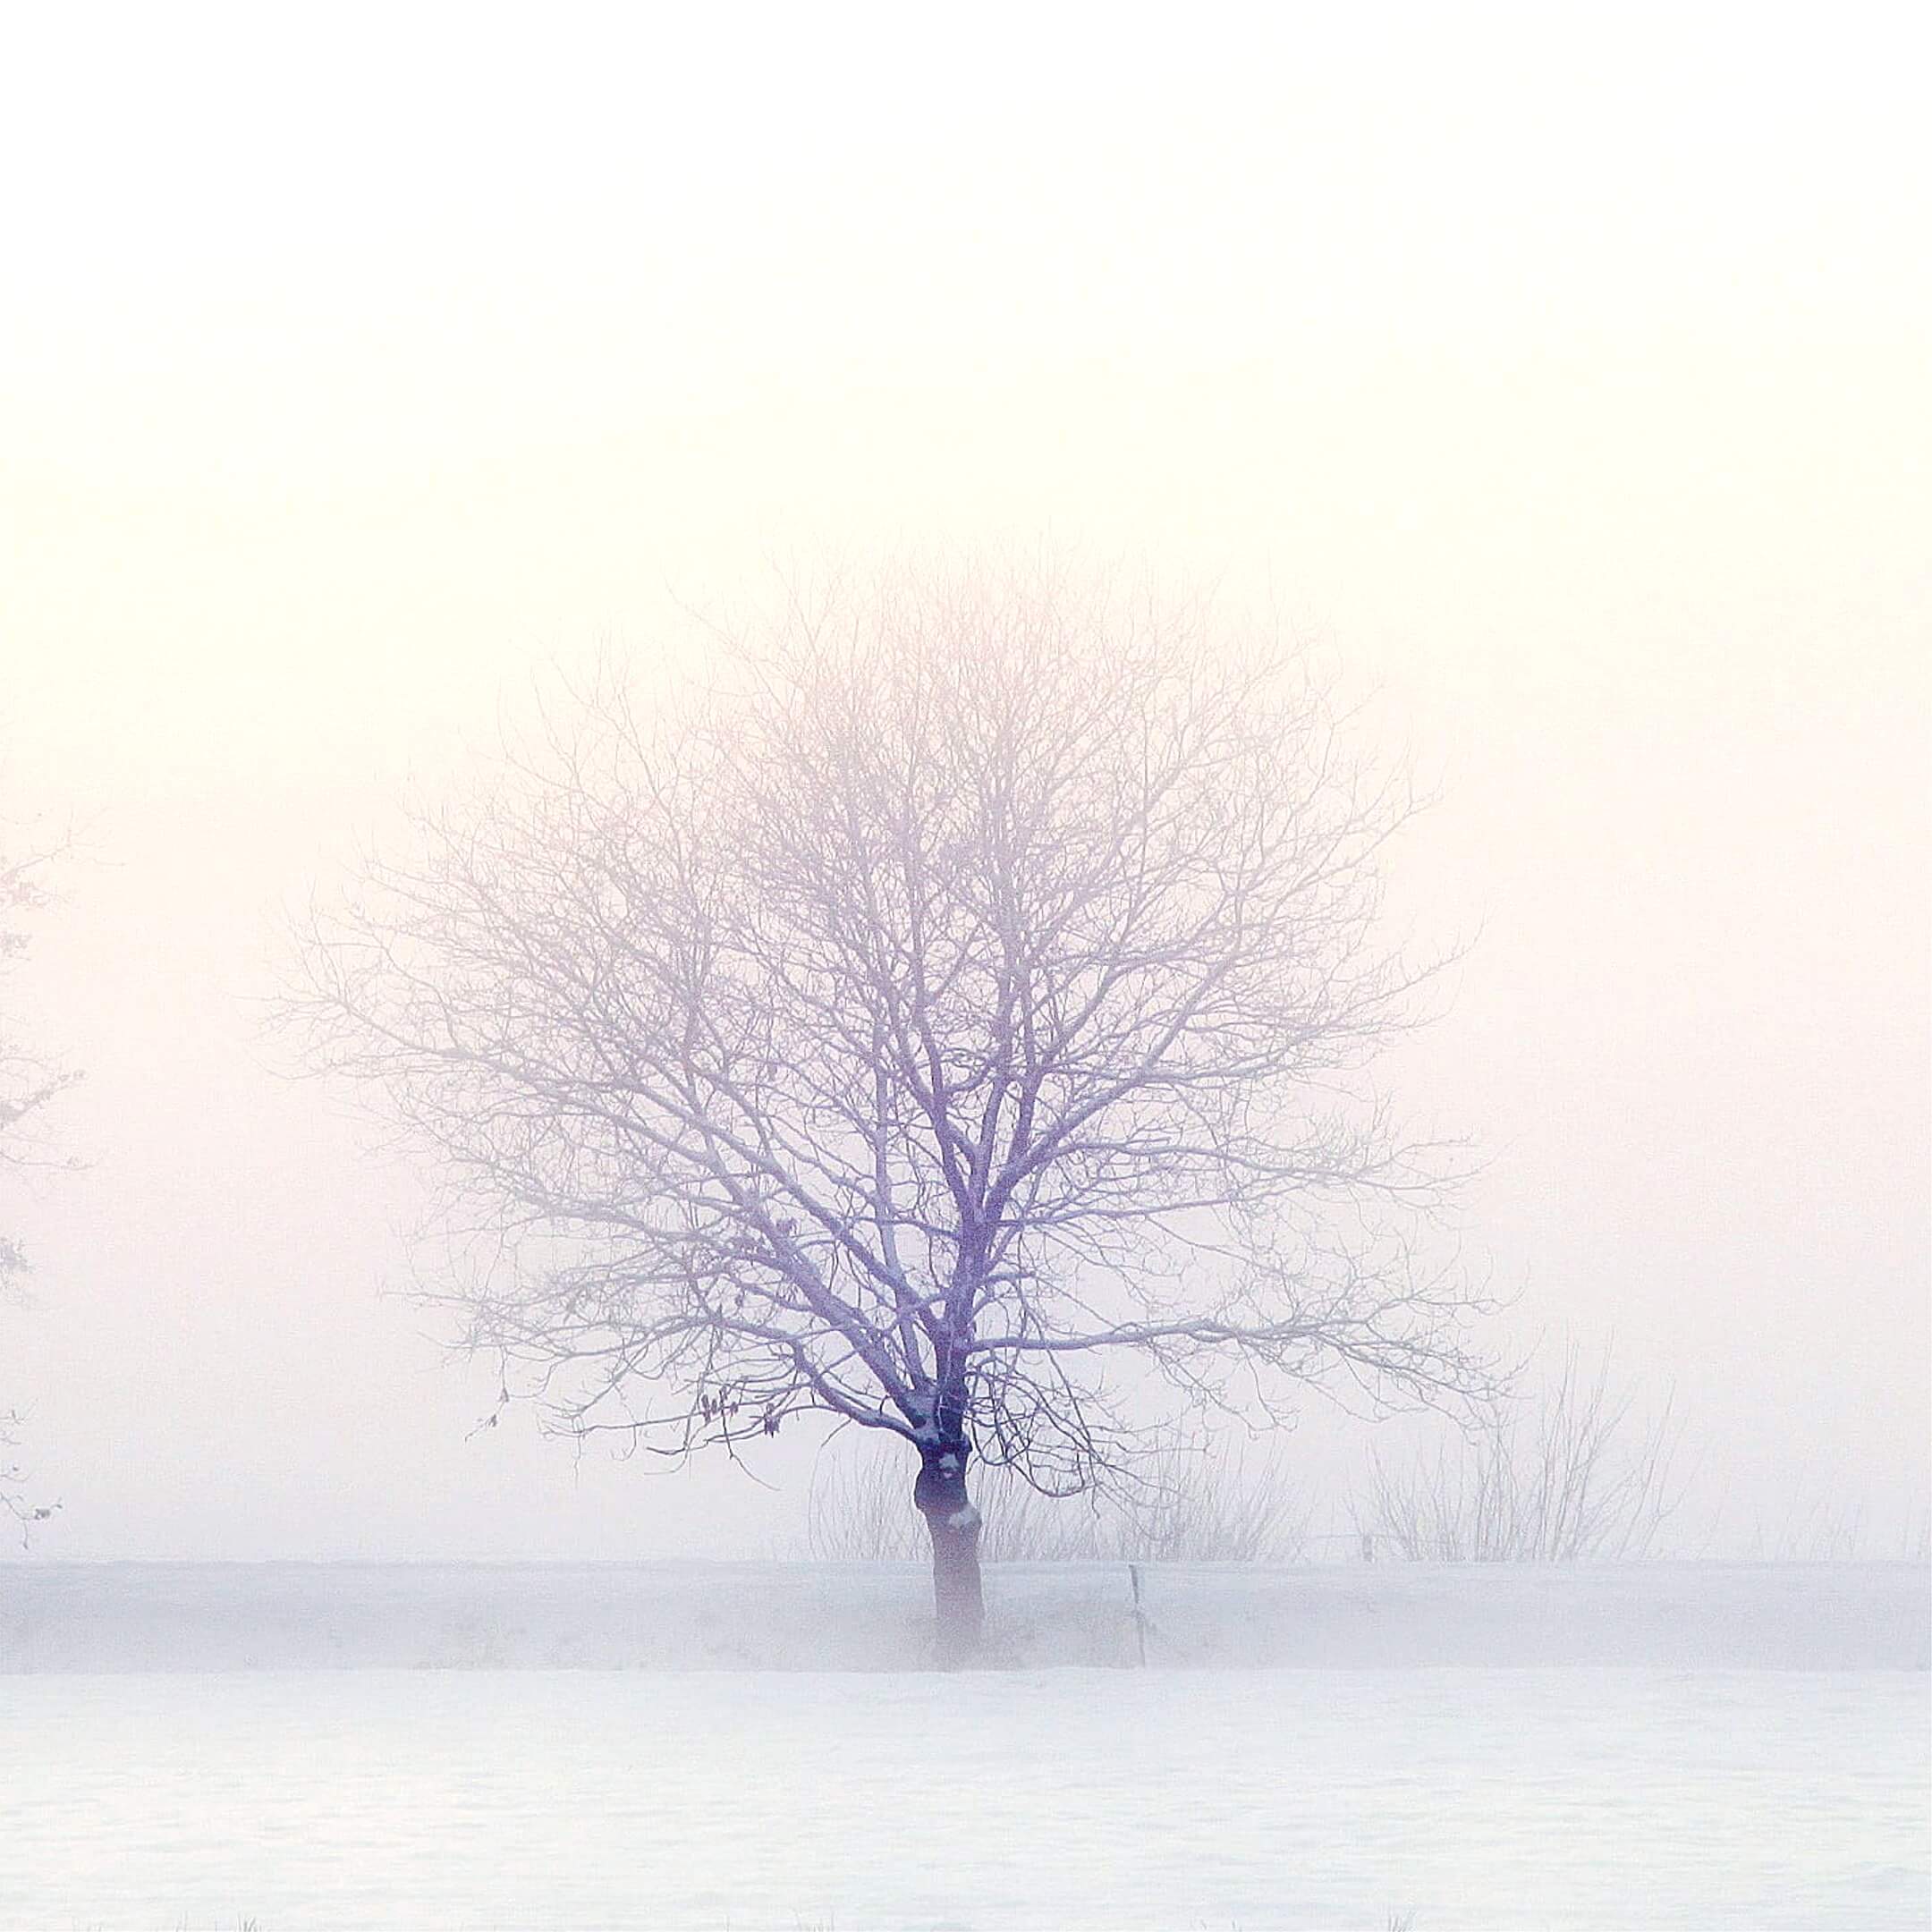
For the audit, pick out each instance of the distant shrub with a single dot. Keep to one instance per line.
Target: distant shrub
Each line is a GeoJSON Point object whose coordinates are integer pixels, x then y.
{"type": "Point", "coordinates": [1571, 1471]}
{"type": "Point", "coordinates": [1186, 1507]}
{"type": "Point", "coordinates": [1825, 1521]}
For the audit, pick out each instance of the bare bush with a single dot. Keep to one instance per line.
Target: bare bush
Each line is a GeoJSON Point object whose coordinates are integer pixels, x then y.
{"type": "Point", "coordinates": [1190, 1507]}
{"type": "Point", "coordinates": [1823, 1522]}
{"type": "Point", "coordinates": [12, 1479]}
{"type": "Point", "coordinates": [1579, 1473]}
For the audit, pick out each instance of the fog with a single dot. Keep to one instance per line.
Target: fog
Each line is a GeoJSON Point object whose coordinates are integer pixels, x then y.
{"type": "Point", "coordinates": [1565, 385]}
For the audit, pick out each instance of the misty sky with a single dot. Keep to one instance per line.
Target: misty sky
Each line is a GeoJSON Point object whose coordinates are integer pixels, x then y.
{"type": "Point", "coordinates": [1567, 382]}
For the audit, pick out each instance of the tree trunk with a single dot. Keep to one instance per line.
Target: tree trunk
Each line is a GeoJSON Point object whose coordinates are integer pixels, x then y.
{"type": "Point", "coordinates": [939, 1494]}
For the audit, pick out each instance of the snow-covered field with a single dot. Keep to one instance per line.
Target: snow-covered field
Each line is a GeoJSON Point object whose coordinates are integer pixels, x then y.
{"type": "Point", "coordinates": [1685, 1797]}
{"type": "Point", "coordinates": [878, 1616]}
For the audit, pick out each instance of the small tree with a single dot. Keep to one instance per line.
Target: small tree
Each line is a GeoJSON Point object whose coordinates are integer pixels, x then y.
{"type": "Point", "coordinates": [27, 1085]}
{"type": "Point", "coordinates": [946, 1026]}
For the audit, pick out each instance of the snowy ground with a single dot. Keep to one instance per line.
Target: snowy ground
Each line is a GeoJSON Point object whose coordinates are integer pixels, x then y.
{"type": "Point", "coordinates": [1671, 1796]}
{"type": "Point", "coordinates": [1136, 1802]}
{"type": "Point", "coordinates": [878, 1616]}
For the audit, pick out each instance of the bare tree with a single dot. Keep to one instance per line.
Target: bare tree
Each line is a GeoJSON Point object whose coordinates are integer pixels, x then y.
{"type": "Point", "coordinates": [27, 1085]}
{"type": "Point", "coordinates": [953, 1023]}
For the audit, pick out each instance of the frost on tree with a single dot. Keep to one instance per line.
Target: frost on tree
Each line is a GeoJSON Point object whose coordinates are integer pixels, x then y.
{"type": "Point", "coordinates": [27, 1085]}
{"type": "Point", "coordinates": [957, 1009]}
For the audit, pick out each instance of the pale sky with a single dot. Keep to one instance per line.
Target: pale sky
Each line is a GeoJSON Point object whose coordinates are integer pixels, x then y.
{"type": "Point", "coordinates": [1566, 375]}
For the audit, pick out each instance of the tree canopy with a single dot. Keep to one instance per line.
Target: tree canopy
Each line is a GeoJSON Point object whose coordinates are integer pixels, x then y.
{"type": "Point", "coordinates": [955, 1010]}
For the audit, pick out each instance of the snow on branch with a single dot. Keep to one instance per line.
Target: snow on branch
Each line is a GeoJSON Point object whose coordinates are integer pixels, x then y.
{"type": "Point", "coordinates": [977, 984]}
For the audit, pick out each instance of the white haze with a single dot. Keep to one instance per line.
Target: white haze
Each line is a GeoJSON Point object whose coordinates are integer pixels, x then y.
{"type": "Point", "coordinates": [1566, 375]}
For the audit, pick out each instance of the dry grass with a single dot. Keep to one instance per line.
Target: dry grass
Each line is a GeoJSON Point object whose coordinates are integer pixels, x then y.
{"type": "Point", "coordinates": [1573, 1470]}
{"type": "Point", "coordinates": [1187, 1508]}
